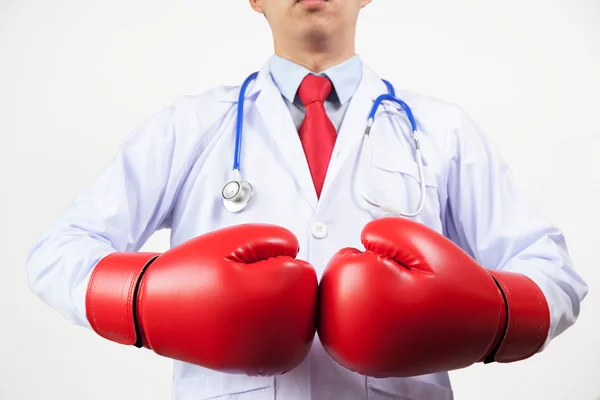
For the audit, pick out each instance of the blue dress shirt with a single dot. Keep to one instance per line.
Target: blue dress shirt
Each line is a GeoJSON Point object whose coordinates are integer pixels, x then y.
{"type": "Point", "coordinates": [344, 76]}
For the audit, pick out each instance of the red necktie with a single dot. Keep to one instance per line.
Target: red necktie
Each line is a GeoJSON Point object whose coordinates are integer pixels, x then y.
{"type": "Point", "coordinates": [317, 132]}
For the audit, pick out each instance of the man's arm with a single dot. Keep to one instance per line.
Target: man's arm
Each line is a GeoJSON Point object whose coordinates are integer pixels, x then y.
{"type": "Point", "coordinates": [129, 200]}
{"type": "Point", "coordinates": [490, 218]}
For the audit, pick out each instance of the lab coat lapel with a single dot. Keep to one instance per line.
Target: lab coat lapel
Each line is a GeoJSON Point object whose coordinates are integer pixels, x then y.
{"type": "Point", "coordinates": [281, 129]}
{"type": "Point", "coordinates": [354, 124]}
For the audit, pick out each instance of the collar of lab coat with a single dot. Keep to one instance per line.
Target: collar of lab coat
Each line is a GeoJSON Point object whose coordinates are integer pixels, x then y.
{"type": "Point", "coordinates": [264, 79]}
{"type": "Point", "coordinates": [279, 127]}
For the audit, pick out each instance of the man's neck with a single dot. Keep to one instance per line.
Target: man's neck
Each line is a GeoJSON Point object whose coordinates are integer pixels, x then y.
{"type": "Point", "coordinates": [315, 58]}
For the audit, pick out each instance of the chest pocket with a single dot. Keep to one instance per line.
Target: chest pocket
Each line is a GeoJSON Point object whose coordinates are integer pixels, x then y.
{"type": "Point", "coordinates": [392, 178]}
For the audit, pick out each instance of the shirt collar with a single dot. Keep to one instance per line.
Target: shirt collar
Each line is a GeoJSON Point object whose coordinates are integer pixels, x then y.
{"type": "Point", "coordinates": [288, 75]}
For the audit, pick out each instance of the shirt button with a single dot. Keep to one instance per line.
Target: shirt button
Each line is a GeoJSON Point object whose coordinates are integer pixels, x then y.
{"type": "Point", "coordinates": [319, 230]}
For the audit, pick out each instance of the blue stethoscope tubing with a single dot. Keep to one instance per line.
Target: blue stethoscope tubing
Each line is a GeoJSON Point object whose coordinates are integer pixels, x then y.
{"type": "Point", "coordinates": [240, 121]}
{"type": "Point", "coordinates": [236, 194]}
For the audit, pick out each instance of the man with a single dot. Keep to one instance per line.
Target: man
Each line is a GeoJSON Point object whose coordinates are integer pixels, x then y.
{"type": "Point", "coordinates": [478, 275]}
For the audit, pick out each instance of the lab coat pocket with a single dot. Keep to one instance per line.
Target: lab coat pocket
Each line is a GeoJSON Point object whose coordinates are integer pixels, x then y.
{"type": "Point", "coordinates": [203, 384]}
{"type": "Point", "coordinates": [394, 180]}
{"type": "Point", "coordinates": [406, 389]}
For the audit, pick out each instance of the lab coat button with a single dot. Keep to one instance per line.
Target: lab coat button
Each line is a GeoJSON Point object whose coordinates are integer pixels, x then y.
{"type": "Point", "coordinates": [319, 230]}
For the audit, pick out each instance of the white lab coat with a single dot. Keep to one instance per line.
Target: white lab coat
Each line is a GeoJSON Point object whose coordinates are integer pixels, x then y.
{"type": "Point", "coordinates": [170, 171]}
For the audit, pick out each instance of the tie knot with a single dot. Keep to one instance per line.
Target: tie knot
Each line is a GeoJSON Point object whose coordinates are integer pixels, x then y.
{"type": "Point", "coordinates": [314, 88]}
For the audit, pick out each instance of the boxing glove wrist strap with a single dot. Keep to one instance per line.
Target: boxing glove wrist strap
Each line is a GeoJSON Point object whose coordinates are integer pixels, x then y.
{"type": "Point", "coordinates": [111, 296]}
{"type": "Point", "coordinates": [528, 319]}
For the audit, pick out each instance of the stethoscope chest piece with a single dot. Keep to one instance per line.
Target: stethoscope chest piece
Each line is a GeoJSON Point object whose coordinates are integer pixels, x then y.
{"type": "Point", "coordinates": [236, 195]}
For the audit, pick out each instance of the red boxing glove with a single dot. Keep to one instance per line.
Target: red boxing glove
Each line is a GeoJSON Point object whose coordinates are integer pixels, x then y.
{"type": "Point", "coordinates": [415, 303]}
{"type": "Point", "coordinates": [235, 300]}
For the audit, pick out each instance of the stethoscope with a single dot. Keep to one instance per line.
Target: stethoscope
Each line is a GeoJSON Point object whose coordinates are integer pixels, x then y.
{"type": "Point", "coordinates": [237, 193]}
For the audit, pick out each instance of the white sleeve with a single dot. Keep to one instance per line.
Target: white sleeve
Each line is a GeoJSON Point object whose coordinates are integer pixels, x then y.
{"type": "Point", "coordinates": [493, 220]}
{"type": "Point", "coordinates": [129, 200]}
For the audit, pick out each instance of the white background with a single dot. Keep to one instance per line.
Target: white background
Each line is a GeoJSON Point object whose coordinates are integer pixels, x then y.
{"type": "Point", "coordinates": [77, 76]}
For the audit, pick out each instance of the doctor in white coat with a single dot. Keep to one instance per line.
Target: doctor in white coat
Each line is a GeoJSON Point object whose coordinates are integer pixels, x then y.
{"type": "Point", "coordinates": [170, 171]}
